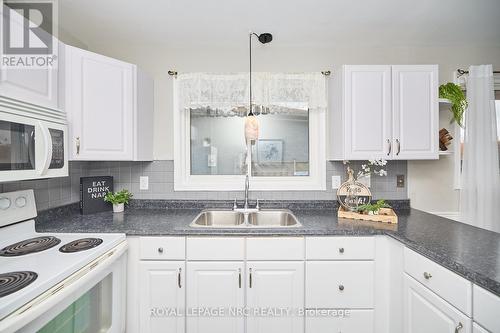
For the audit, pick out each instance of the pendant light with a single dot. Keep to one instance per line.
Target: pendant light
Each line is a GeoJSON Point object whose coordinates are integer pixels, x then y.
{"type": "Point", "coordinates": [251, 122]}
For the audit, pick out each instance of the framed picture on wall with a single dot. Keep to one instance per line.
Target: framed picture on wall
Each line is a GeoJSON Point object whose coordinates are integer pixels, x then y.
{"type": "Point", "coordinates": [270, 150]}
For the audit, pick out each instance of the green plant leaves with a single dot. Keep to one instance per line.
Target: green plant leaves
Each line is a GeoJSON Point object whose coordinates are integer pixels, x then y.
{"type": "Point", "coordinates": [122, 196]}
{"type": "Point", "coordinates": [454, 93]}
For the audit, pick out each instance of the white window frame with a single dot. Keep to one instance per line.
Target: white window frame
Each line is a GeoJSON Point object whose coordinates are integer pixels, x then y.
{"type": "Point", "coordinates": [184, 181]}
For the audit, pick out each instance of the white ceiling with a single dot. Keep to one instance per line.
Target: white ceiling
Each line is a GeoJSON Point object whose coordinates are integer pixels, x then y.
{"type": "Point", "coordinates": [184, 23]}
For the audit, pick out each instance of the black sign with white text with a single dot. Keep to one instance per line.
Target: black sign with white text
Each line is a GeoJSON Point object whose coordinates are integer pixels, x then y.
{"type": "Point", "coordinates": [92, 193]}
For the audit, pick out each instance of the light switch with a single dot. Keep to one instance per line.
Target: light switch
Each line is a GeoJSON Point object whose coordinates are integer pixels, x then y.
{"type": "Point", "coordinates": [143, 182]}
{"type": "Point", "coordinates": [335, 182]}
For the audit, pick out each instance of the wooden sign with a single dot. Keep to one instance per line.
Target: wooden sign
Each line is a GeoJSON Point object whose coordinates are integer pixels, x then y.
{"type": "Point", "coordinates": [352, 194]}
{"type": "Point", "coordinates": [92, 193]}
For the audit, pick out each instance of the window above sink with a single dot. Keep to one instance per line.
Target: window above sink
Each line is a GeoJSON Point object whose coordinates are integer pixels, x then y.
{"type": "Point", "coordinates": [210, 148]}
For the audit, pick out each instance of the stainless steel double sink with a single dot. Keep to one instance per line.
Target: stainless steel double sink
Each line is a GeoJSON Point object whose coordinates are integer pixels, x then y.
{"type": "Point", "coordinates": [279, 218]}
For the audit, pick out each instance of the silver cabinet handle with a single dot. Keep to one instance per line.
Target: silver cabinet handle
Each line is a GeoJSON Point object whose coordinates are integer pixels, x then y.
{"type": "Point", "coordinates": [239, 278]}
{"type": "Point", "coordinates": [341, 250]}
{"type": "Point", "coordinates": [250, 278]}
{"type": "Point", "coordinates": [179, 278]}
{"type": "Point", "coordinates": [390, 147]}
{"type": "Point", "coordinates": [427, 276]}
{"type": "Point", "coordinates": [78, 145]}
{"type": "Point", "coordinates": [459, 327]}
{"type": "Point", "coordinates": [160, 250]}
{"type": "Point", "coordinates": [341, 287]}
{"type": "Point", "coordinates": [399, 146]}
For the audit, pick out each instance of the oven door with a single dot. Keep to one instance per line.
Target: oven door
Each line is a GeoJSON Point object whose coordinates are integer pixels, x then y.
{"type": "Point", "coordinates": [31, 148]}
{"type": "Point", "coordinates": [91, 300]}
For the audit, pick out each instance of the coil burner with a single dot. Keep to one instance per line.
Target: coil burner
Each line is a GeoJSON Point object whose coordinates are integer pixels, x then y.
{"type": "Point", "coordinates": [80, 245]}
{"type": "Point", "coordinates": [14, 281]}
{"type": "Point", "coordinates": [28, 246]}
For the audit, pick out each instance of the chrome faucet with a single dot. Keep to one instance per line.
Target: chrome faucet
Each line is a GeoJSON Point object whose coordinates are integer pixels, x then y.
{"type": "Point", "coordinates": [247, 186]}
{"type": "Point", "coordinates": [246, 208]}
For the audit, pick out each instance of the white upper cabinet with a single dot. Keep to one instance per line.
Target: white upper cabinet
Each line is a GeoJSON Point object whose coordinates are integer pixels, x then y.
{"type": "Point", "coordinates": [388, 112]}
{"type": "Point", "coordinates": [367, 101]}
{"type": "Point", "coordinates": [415, 112]}
{"type": "Point", "coordinates": [37, 86]}
{"type": "Point", "coordinates": [110, 108]}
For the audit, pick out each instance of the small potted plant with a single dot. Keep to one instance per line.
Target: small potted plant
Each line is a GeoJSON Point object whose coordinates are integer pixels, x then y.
{"type": "Point", "coordinates": [373, 209]}
{"type": "Point", "coordinates": [118, 199]}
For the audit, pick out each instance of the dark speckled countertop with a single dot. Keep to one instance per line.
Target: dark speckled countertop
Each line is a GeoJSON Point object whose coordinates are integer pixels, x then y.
{"type": "Point", "coordinates": [469, 251]}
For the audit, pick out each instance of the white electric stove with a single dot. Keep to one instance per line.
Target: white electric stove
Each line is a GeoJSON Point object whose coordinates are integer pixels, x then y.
{"type": "Point", "coordinates": [48, 280]}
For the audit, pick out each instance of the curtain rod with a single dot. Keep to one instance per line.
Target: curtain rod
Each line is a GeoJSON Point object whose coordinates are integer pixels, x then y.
{"type": "Point", "coordinates": [463, 72]}
{"type": "Point", "coordinates": [174, 73]}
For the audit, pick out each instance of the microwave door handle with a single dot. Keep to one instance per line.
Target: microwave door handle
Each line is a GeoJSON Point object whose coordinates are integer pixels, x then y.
{"type": "Point", "coordinates": [46, 143]}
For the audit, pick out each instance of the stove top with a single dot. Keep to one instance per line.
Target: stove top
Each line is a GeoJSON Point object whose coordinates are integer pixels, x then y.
{"type": "Point", "coordinates": [32, 262]}
{"type": "Point", "coordinates": [28, 246]}
{"type": "Point", "coordinates": [14, 281]}
{"type": "Point", "coordinates": [80, 245]}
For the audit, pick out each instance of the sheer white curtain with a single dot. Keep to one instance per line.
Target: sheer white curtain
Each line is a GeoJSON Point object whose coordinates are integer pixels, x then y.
{"type": "Point", "coordinates": [480, 194]}
{"type": "Point", "coordinates": [217, 94]}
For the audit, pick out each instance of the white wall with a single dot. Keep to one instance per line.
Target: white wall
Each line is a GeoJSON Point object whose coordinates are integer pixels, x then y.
{"type": "Point", "coordinates": [430, 182]}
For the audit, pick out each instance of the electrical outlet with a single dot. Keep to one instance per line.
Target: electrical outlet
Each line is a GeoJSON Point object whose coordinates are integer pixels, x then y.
{"type": "Point", "coordinates": [400, 180]}
{"type": "Point", "coordinates": [335, 182]}
{"type": "Point", "coordinates": [143, 182]}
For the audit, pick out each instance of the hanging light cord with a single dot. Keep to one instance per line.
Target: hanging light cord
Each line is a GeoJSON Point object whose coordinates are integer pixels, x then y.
{"type": "Point", "coordinates": [250, 113]}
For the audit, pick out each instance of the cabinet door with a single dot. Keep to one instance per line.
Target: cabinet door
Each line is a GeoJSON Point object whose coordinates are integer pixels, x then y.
{"type": "Point", "coordinates": [425, 312]}
{"type": "Point", "coordinates": [415, 112]}
{"type": "Point", "coordinates": [32, 85]}
{"type": "Point", "coordinates": [99, 100]}
{"type": "Point", "coordinates": [162, 296]}
{"type": "Point", "coordinates": [476, 328]}
{"type": "Point", "coordinates": [215, 285]}
{"type": "Point", "coordinates": [367, 111]}
{"type": "Point", "coordinates": [277, 286]}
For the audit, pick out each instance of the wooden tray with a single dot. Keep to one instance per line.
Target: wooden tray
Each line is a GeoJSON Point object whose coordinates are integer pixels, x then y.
{"type": "Point", "coordinates": [386, 215]}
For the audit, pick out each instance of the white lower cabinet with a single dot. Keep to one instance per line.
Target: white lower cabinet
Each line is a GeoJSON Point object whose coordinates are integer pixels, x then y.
{"type": "Point", "coordinates": [476, 328]}
{"type": "Point", "coordinates": [162, 296]}
{"type": "Point", "coordinates": [426, 312]}
{"type": "Point", "coordinates": [350, 321]}
{"type": "Point", "coordinates": [279, 287]}
{"type": "Point", "coordinates": [215, 285]}
{"type": "Point", "coordinates": [339, 284]}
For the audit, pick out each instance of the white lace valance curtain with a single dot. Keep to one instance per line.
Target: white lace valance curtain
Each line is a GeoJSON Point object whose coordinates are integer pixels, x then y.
{"type": "Point", "coordinates": [228, 94]}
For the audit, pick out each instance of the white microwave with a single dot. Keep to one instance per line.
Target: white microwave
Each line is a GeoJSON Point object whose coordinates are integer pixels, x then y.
{"type": "Point", "coordinates": [32, 145]}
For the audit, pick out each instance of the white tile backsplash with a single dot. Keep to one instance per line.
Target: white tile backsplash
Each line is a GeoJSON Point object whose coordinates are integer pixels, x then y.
{"type": "Point", "coordinates": [61, 191]}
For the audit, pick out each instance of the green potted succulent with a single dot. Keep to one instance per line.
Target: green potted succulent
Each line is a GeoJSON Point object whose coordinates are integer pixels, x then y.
{"type": "Point", "coordinates": [373, 209]}
{"type": "Point", "coordinates": [456, 96]}
{"type": "Point", "coordinates": [118, 199]}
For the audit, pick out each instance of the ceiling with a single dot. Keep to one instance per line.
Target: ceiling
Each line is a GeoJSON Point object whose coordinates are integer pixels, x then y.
{"type": "Point", "coordinates": [328, 23]}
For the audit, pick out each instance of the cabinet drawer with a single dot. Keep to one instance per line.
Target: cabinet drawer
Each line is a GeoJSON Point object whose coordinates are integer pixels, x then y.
{"type": "Point", "coordinates": [339, 284]}
{"type": "Point", "coordinates": [282, 248]}
{"type": "Point", "coordinates": [162, 248]}
{"type": "Point", "coordinates": [215, 248]}
{"type": "Point", "coordinates": [486, 309]}
{"type": "Point", "coordinates": [448, 285]}
{"type": "Point", "coordinates": [340, 248]}
{"type": "Point", "coordinates": [354, 321]}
